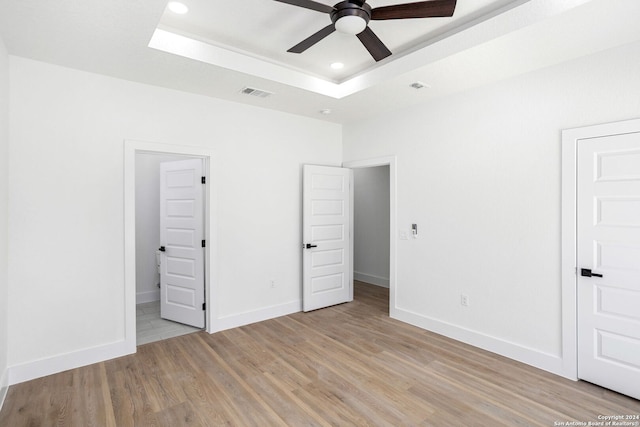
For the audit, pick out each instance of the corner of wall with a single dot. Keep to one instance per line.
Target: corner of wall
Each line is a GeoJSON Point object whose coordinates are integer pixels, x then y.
{"type": "Point", "coordinates": [4, 225]}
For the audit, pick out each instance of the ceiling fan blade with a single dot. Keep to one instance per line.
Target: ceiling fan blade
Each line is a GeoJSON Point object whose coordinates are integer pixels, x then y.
{"type": "Point", "coordinates": [423, 9]}
{"type": "Point", "coordinates": [313, 39]}
{"type": "Point", "coordinates": [374, 45]}
{"type": "Point", "coordinates": [309, 4]}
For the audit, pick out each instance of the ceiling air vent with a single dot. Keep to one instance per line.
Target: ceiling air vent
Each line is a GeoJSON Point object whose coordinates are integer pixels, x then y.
{"type": "Point", "coordinates": [256, 92]}
{"type": "Point", "coordinates": [419, 85]}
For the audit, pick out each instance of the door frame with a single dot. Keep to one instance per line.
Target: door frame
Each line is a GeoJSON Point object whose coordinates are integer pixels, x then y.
{"type": "Point", "coordinates": [390, 161]}
{"type": "Point", "coordinates": [570, 140]}
{"type": "Point", "coordinates": [131, 149]}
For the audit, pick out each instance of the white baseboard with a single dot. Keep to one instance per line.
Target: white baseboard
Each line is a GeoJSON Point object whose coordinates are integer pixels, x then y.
{"type": "Point", "coordinates": [545, 361]}
{"type": "Point", "coordinates": [41, 368]}
{"type": "Point", "coordinates": [372, 279]}
{"type": "Point", "coordinates": [246, 318]}
{"type": "Point", "coordinates": [149, 296]}
{"type": "Point", "coordinates": [64, 362]}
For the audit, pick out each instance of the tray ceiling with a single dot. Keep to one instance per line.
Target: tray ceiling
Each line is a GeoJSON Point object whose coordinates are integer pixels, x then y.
{"type": "Point", "coordinates": [221, 47]}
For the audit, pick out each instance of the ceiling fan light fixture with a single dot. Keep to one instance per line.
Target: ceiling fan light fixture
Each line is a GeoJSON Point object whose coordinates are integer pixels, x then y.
{"type": "Point", "coordinates": [351, 24]}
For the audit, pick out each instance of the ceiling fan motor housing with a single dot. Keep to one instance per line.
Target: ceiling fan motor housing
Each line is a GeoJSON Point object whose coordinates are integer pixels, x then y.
{"type": "Point", "coordinates": [349, 8]}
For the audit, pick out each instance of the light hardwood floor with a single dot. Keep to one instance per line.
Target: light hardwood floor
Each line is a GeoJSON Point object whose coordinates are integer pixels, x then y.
{"type": "Point", "coordinates": [347, 365]}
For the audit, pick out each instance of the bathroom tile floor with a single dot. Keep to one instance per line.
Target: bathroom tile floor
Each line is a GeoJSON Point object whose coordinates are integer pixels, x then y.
{"type": "Point", "coordinates": [150, 327]}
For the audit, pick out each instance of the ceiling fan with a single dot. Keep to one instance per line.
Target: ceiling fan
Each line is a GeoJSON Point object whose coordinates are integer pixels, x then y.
{"type": "Point", "coordinates": [352, 17]}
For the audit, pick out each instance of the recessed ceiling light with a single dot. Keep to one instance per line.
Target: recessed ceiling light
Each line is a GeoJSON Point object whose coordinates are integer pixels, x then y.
{"type": "Point", "coordinates": [325, 111]}
{"type": "Point", "coordinates": [177, 7]}
{"type": "Point", "coordinates": [337, 65]}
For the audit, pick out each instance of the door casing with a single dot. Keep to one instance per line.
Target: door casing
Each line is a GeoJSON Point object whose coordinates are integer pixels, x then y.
{"type": "Point", "coordinates": [131, 148]}
{"type": "Point", "coordinates": [570, 140]}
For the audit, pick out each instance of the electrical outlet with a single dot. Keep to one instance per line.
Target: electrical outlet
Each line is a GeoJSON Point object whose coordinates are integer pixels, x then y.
{"type": "Point", "coordinates": [273, 283]}
{"type": "Point", "coordinates": [464, 300]}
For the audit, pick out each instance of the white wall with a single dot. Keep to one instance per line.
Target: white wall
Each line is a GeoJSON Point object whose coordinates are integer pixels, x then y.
{"type": "Point", "coordinates": [480, 172]}
{"type": "Point", "coordinates": [148, 224]}
{"type": "Point", "coordinates": [371, 225]}
{"type": "Point", "coordinates": [4, 194]}
{"type": "Point", "coordinates": [66, 200]}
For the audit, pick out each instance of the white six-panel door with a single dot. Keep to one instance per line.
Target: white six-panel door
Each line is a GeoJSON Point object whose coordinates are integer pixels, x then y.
{"type": "Point", "coordinates": [327, 249]}
{"type": "Point", "coordinates": [181, 235]}
{"type": "Point", "coordinates": [608, 230]}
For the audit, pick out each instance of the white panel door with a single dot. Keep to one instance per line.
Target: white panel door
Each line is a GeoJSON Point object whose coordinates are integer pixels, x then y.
{"type": "Point", "coordinates": [181, 237]}
{"type": "Point", "coordinates": [608, 229]}
{"type": "Point", "coordinates": [327, 245]}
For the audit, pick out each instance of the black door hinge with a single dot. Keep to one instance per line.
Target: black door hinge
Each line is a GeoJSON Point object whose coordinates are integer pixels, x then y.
{"type": "Point", "coordinates": [204, 243]}
{"type": "Point", "coordinates": [203, 180]}
{"type": "Point", "coordinates": [204, 305]}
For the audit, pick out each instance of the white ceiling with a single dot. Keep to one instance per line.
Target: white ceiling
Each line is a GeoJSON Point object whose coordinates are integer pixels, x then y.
{"type": "Point", "coordinates": [267, 28]}
{"type": "Point", "coordinates": [219, 47]}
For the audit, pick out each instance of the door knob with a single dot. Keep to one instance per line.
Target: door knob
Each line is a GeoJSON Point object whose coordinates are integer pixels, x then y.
{"type": "Point", "coordinates": [161, 249]}
{"type": "Point", "coordinates": [586, 272]}
{"type": "Point", "coordinates": [309, 246]}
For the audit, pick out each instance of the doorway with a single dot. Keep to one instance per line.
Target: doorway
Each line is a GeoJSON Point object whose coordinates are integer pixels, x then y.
{"type": "Point", "coordinates": [601, 244]}
{"type": "Point", "coordinates": [371, 233]}
{"type": "Point", "coordinates": [153, 322]}
{"type": "Point", "coordinates": [374, 254]}
{"type": "Point", "coordinates": [133, 151]}
{"type": "Point", "coordinates": [328, 221]}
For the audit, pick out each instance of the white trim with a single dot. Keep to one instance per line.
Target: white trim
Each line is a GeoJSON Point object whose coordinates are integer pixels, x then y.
{"type": "Point", "coordinates": [568, 257]}
{"type": "Point", "coordinates": [131, 148]}
{"type": "Point", "coordinates": [63, 362]}
{"type": "Point", "coordinates": [148, 296]}
{"type": "Point", "coordinates": [371, 279]}
{"type": "Point", "coordinates": [570, 140]}
{"type": "Point", "coordinates": [248, 317]}
{"type": "Point", "coordinates": [548, 362]}
{"type": "Point", "coordinates": [391, 161]}
{"type": "Point", "coordinates": [352, 232]}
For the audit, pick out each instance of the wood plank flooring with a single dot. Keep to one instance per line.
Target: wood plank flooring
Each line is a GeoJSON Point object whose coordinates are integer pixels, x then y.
{"type": "Point", "coordinates": [348, 365]}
